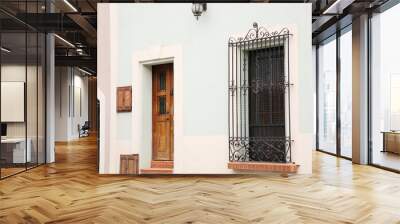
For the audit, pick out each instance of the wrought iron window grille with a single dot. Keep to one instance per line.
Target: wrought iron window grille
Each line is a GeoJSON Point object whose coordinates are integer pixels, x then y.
{"type": "Point", "coordinates": [259, 96]}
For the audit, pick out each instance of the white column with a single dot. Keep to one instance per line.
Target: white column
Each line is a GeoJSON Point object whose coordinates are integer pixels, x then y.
{"type": "Point", "coordinates": [50, 100]}
{"type": "Point", "coordinates": [360, 90]}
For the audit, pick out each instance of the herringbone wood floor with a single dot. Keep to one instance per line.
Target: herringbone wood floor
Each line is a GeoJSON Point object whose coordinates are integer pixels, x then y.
{"type": "Point", "coordinates": [70, 191]}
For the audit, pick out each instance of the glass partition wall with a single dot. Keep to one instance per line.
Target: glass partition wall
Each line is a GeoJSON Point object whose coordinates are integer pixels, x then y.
{"type": "Point", "coordinates": [334, 84]}
{"type": "Point", "coordinates": [385, 90]}
{"type": "Point", "coordinates": [22, 107]}
{"type": "Point", "coordinates": [327, 95]}
{"type": "Point", "coordinates": [13, 123]}
{"type": "Point", "coordinates": [345, 62]}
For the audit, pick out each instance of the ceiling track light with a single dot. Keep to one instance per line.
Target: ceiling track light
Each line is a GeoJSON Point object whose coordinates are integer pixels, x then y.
{"type": "Point", "coordinates": [84, 71]}
{"type": "Point", "coordinates": [79, 51]}
{"type": "Point", "coordinates": [65, 41]}
{"type": "Point", "coordinates": [70, 5]}
{"type": "Point", "coordinates": [5, 50]}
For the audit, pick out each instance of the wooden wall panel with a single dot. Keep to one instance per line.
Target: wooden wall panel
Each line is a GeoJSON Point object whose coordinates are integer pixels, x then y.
{"type": "Point", "coordinates": [124, 99]}
{"type": "Point", "coordinates": [129, 164]}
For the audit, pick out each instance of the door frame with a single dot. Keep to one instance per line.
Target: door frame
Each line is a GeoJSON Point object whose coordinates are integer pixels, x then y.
{"type": "Point", "coordinates": [141, 122]}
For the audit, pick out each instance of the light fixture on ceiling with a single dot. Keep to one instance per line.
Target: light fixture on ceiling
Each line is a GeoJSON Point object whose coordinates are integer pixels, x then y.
{"type": "Point", "coordinates": [337, 7]}
{"type": "Point", "coordinates": [79, 51]}
{"type": "Point", "coordinates": [5, 50]}
{"type": "Point", "coordinates": [65, 41]}
{"type": "Point", "coordinates": [79, 44]}
{"type": "Point", "coordinates": [70, 5]}
{"type": "Point", "coordinates": [85, 72]}
{"type": "Point", "coordinates": [198, 9]}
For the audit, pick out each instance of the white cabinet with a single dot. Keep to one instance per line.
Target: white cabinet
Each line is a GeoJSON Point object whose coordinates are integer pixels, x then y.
{"type": "Point", "coordinates": [19, 155]}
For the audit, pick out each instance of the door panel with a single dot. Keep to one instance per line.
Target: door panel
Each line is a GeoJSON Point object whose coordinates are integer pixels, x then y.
{"type": "Point", "coordinates": [163, 112]}
{"type": "Point", "coordinates": [162, 141]}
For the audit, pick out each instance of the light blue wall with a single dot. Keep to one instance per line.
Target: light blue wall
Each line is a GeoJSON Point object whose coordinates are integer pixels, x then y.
{"type": "Point", "coordinates": [205, 54]}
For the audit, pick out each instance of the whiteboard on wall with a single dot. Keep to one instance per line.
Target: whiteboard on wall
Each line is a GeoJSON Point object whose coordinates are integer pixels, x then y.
{"type": "Point", "coordinates": [12, 101]}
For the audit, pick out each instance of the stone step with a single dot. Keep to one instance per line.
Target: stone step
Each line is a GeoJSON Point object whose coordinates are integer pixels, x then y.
{"type": "Point", "coordinates": [162, 164]}
{"type": "Point", "coordinates": [156, 171]}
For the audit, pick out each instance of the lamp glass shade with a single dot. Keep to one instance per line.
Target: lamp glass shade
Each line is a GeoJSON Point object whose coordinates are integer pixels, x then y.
{"type": "Point", "coordinates": [197, 9]}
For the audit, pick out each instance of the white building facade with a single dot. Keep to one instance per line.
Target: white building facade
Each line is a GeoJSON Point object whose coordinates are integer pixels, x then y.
{"type": "Point", "coordinates": [196, 94]}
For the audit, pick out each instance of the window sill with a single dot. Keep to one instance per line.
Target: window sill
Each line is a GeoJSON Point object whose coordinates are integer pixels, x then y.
{"type": "Point", "coordinates": [264, 166]}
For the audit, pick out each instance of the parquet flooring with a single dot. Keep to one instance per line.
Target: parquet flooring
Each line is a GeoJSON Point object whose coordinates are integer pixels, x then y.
{"type": "Point", "coordinates": [10, 171]}
{"type": "Point", "coordinates": [70, 191]}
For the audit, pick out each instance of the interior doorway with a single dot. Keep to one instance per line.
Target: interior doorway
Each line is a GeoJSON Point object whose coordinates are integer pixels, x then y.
{"type": "Point", "coordinates": [76, 123]}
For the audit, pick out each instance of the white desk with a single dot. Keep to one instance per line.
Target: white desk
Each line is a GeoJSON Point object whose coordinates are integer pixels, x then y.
{"type": "Point", "coordinates": [19, 155]}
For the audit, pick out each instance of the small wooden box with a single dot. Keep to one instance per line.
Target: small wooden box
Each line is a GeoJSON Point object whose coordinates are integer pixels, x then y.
{"type": "Point", "coordinates": [124, 99]}
{"type": "Point", "coordinates": [129, 164]}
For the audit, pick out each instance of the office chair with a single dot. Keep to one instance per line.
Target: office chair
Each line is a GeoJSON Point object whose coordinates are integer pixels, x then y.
{"type": "Point", "coordinates": [84, 130]}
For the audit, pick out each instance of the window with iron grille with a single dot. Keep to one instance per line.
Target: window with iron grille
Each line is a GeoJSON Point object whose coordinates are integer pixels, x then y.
{"type": "Point", "coordinates": [259, 96]}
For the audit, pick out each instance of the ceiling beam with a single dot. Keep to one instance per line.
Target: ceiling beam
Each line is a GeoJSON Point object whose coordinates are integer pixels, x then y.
{"type": "Point", "coordinates": [337, 7]}
{"type": "Point", "coordinates": [82, 61]}
{"type": "Point", "coordinates": [84, 24]}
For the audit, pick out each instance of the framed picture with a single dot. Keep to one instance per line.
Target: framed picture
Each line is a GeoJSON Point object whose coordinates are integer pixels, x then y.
{"type": "Point", "coordinates": [124, 99]}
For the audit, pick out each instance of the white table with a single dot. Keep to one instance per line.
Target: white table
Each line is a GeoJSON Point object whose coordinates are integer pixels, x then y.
{"type": "Point", "coordinates": [19, 155]}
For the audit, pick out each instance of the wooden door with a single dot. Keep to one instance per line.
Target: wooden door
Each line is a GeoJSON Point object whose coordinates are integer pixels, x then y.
{"type": "Point", "coordinates": [163, 112]}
